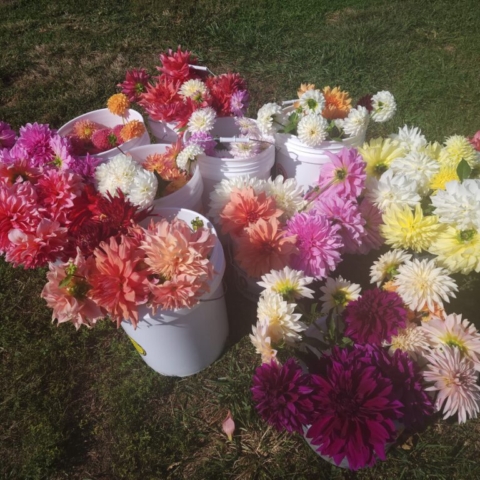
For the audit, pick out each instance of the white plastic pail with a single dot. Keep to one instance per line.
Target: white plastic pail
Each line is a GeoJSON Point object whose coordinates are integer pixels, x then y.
{"type": "Point", "coordinates": [164, 132]}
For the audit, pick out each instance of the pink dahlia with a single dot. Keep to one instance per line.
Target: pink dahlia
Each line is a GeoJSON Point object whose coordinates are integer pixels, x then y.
{"type": "Point", "coordinates": [344, 175]}
{"type": "Point", "coordinates": [264, 247]}
{"type": "Point", "coordinates": [407, 380]}
{"type": "Point", "coordinates": [282, 395]}
{"type": "Point", "coordinates": [104, 139]}
{"type": "Point", "coordinates": [475, 141]}
{"type": "Point", "coordinates": [66, 292]}
{"type": "Point", "coordinates": [7, 135]}
{"type": "Point", "coordinates": [345, 213]}
{"type": "Point", "coordinates": [85, 167]}
{"type": "Point", "coordinates": [175, 65]}
{"type": "Point", "coordinates": [318, 243]}
{"type": "Point", "coordinates": [119, 284]}
{"type": "Point", "coordinates": [245, 208]}
{"type": "Point", "coordinates": [34, 144]}
{"type": "Point", "coordinates": [61, 148]}
{"type": "Point", "coordinates": [182, 291]}
{"type": "Point", "coordinates": [354, 408]}
{"type": "Point", "coordinates": [374, 317]}
{"type": "Point", "coordinates": [18, 171]}
{"type": "Point", "coordinates": [239, 103]}
{"type": "Point", "coordinates": [205, 141]}
{"type": "Point", "coordinates": [135, 83]}
{"type": "Point", "coordinates": [372, 240]}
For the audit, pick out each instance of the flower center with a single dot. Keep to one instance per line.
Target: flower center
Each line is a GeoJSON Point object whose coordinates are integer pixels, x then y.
{"type": "Point", "coordinates": [340, 298]}
{"type": "Point", "coordinates": [467, 235]}
{"type": "Point", "coordinates": [380, 168]}
{"type": "Point", "coordinates": [340, 174]}
{"type": "Point", "coordinates": [453, 341]}
{"type": "Point", "coordinates": [345, 405]}
{"type": "Point", "coordinates": [139, 88]}
{"type": "Point", "coordinates": [312, 103]}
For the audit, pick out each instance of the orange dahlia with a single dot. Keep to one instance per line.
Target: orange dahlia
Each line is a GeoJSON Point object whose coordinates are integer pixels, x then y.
{"type": "Point", "coordinates": [84, 129]}
{"type": "Point", "coordinates": [176, 184]}
{"type": "Point", "coordinates": [132, 129]}
{"type": "Point", "coordinates": [337, 103]}
{"type": "Point", "coordinates": [118, 104]}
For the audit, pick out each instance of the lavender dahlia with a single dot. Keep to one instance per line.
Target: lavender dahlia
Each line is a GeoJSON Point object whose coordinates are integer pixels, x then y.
{"type": "Point", "coordinates": [354, 408]}
{"type": "Point", "coordinates": [282, 395]}
{"type": "Point", "coordinates": [374, 317]}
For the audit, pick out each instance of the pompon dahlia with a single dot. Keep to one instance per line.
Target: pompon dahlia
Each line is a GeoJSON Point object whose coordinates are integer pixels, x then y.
{"type": "Point", "coordinates": [337, 103]}
{"type": "Point", "coordinates": [407, 383]}
{"type": "Point", "coordinates": [175, 65]}
{"type": "Point", "coordinates": [135, 83]}
{"type": "Point", "coordinates": [374, 317]}
{"type": "Point", "coordinates": [312, 130]}
{"type": "Point", "coordinates": [246, 208]}
{"type": "Point", "coordinates": [7, 136]}
{"type": "Point", "coordinates": [84, 129]}
{"type": "Point", "coordinates": [354, 408]}
{"type": "Point", "coordinates": [264, 247]}
{"type": "Point", "coordinates": [318, 242]}
{"type": "Point", "coordinates": [456, 382]}
{"type": "Point", "coordinates": [118, 104]}
{"type": "Point", "coordinates": [118, 283]}
{"type": "Point", "coordinates": [344, 175]}
{"type": "Point", "coordinates": [132, 129]}
{"type": "Point", "coordinates": [104, 139]}
{"type": "Point", "coordinates": [282, 395]}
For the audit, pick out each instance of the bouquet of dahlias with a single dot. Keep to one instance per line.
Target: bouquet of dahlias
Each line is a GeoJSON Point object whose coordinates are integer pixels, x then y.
{"type": "Point", "coordinates": [49, 204]}
{"type": "Point", "coordinates": [164, 266]}
{"type": "Point", "coordinates": [429, 196]}
{"type": "Point", "coordinates": [182, 88]}
{"type": "Point", "coordinates": [273, 224]}
{"type": "Point", "coordinates": [371, 364]}
{"type": "Point", "coordinates": [92, 137]}
{"type": "Point", "coordinates": [326, 114]}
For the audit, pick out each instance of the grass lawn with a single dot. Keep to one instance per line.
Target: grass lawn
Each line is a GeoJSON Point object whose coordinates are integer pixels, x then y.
{"type": "Point", "coordinates": [82, 404]}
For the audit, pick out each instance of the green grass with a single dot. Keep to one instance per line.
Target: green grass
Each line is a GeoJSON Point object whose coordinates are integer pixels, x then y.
{"type": "Point", "coordinates": [82, 404]}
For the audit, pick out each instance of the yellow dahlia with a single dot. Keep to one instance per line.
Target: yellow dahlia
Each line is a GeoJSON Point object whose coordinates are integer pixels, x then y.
{"type": "Point", "coordinates": [337, 105]}
{"type": "Point", "coordinates": [379, 153]}
{"type": "Point", "coordinates": [446, 174]}
{"type": "Point", "coordinates": [132, 129]}
{"type": "Point", "coordinates": [458, 148]}
{"type": "Point", "coordinates": [433, 150]}
{"type": "Point", "coordinates": [457, 250]}
{"type": "Point", "coordinates": [404, 228]}
{"type": "Point", "coordinates": [118, 104]}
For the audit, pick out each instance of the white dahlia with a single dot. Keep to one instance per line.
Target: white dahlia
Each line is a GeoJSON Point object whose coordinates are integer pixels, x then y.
{"type": "Point", "coordinates": [288, 283]}
{"type": "Point", "coordinates": [245, 149]}
{"type": "Point", "coordinates": [288, 195]}
{"type": "Point", "coordinates": [118, 172]}
{"type": "Point", "coordinates": [312, 130]}
{"type": "Point", "coordinates": [143, 189]}
{"type": "Point", "coordinates": [202, 120]}
{"type": "Point", "coordinates": [384, 106]}
{"type": "Point", "coordinates": [357, 122]}
{"type": "Point", "coordinates": [411, 139]}
{"type": "Point", "coordinates": [268, 118]}
{"type": "Point", "coordinates": [262, 342]}
{"type": "Point", "coordinates": [188, 156]}
{"type": "Point", "coordinates": [386, 267]}
{"type": "Point", "coordinates": [312, 102]}
{"type": "Point", "coordinates": [283, 323]}
{"type": "Point", "coordinates": [194, 89]}
{"type": "Point", "coordinates": [411, 340]}
{"type": "Point", "coordinates": [338, 293]}
{"type": "Point", "coordinates": [421, 283]}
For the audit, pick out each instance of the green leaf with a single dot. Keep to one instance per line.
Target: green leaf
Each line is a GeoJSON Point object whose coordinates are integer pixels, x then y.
{"type": "Point", "coordinates": [463, 170]}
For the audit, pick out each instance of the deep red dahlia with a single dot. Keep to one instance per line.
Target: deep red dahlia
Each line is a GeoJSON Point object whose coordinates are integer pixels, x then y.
{"type": "Point", "coordinates": [222, 88]}
{"type": "Point", "coordinates": [135, 83]}
{"type": "Point", "coordinates": [175, 65]}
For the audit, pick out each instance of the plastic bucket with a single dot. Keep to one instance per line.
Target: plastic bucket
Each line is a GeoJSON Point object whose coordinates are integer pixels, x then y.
{"type": "Point", "coordinates": [164, 132]}
{"type": "Point", "coordinates": [185, 341]}
{"type": "Point", "coordinates": [189, 196]}
{"type": "Point", "coordinates": [293, 159]}
{"type": "Point", "coordinates": [107, 118]}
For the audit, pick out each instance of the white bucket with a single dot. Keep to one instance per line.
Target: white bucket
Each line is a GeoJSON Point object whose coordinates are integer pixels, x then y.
{"type": "Point", "coordinates": [185, 341]}
{"type": "Point", "coordinates": [189, 196]}
{"type": "Point", "coordinates": [293, 159]}
{"type": "Point", "coordinates": [164, 132]}
{"type": "Point", "coordinates": [107, 118]}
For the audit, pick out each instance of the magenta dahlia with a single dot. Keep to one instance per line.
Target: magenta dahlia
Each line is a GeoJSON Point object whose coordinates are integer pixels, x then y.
{"type": "Point", "coordinates": [407, 380]}
{"type": "Point", "coordinates": [282, 395]}
{"type": "Point", "coordinates": [374, 317]}
{"type": "Point", "coordinates": [318, 241]}
{"type": "Point", "coordinates": [34, 144]}
{"type": "Point", "coordinates": [7, 136]}
{"type": "Point", "coordinates": [354, 408]}
{"type": "Point", "coordinates": [85, 167]}
{"type": "Point", "coordinates": [135, 83]}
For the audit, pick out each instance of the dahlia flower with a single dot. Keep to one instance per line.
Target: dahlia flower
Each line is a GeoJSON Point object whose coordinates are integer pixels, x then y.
{"type": "Point", "coordinates": [386, 266]}
{"type": "Point", "coordinates": [143, 189]}
{"type": "Point", "coordinates": [248, 128]}
{"type": "Point", "coordinates": [337, 103]}
{"type": "Point", "coordinates": [239, 103]}
{"type": "Point", "coordinates": [454, 332]}
{"type": "Point", "coordinates": [34, 144]}
{"type": "Point", "coordinates": [269, 114]}
{"type": "Point", "coordinates": [337, 294]}
{"type": "Point", "coordinates": [202, 120]}
{"type": "Point", "coordinates": [318, 242]}
{"type": "Point", "coordinates": [411, 340]}
{"type": "Point", "coordinates": [84, 129]}
{"type": "Point", "coordinates": [374, 317]}
{"type": "Point", "coordinates": [356, 123]}
{"type": "Point", "coordinates": [135, 83]}
{"type": "Point", "coordinates": [457, 148]}
{"type": "Point", "coordinates": [383, 106]}
{"type": "Point", "coordinates": [288, 283]}
{"type": "Point", "coordinates": [262, 342]}
{"type": "Point", "coordinates": [188, 156]}
{"type": "Point", "coordinates": [118, 173]}
{"type": "Point", "coordinates": [378, 154]}
{"type": "Point", "coordinates": [194, 89]}
{"type": "Point", "coordinates": [312, 130]}
{"type": "Point", "coordinates": [7, 136]}
{"type": "Point", "coordinates": [445, 175]}
{"type": "Point", "coordinates": [66, 292]}
{"type": "Point", "coordinates": [372, 239]}
{"type": "Point", "coordinates": [403, 228]}
{"type": "Point", "coordinates": [456, 382]}
{"type": "Point", "coordinates": [288, 195]}
{"type": "Point", "coordinates": [245, 149]}
{"type": "Point", "coordinates": [282, 395]}
{"type": "Point", "coordinates": [312, 102]}
{"type": "Point", "coordinates": [475, 141]}
{"type": "Point", "coordinates": [457, 250]}
{"type": "Point", "coordinates": [421, 282]}
{"type": "Point", "coordinates": [344, 174]}
{"type": "Point", "coordinates": [264, 247]}
{"type": "Point", "coordinates": [410, 139]}
{"type": "Point", "coordinates": [175, 65]}
{"type": "Point", "coordinates": [223, 89]}
{"type": "Point", "coordinates": [354, 409]}
{"type": "Point", "coordinates": [132, 129]}
{"type": "Point", "coordinates": [203, 140]}
{"type": "Point", "coordinates": [284, 324]}
{"type": "Point", "coordinates": [118, 104]}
